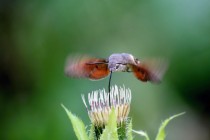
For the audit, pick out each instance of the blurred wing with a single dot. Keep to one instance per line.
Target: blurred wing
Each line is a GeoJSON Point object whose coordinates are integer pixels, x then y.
{"type": "Point", "coordinates": [152, 71]}
{"type": "Point", "coordinates": [86, 67]}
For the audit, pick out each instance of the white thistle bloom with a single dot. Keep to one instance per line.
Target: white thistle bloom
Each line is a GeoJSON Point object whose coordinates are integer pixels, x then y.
{"type": "Point", "coordinates": [101, 103]}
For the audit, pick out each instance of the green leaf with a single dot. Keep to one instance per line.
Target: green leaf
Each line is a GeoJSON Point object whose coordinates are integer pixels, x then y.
{"type": "Point", "coordinates": [129, 131]}
{"type": "Point", "coordinates": [92, 132]}
{"type": "Point", "coordinates": [142, 133]}
{"type": "Point", "coordinates": [78, 125]}
{"type": "Point", "coordinates": [161, 132]}
{"type": "Point", "coordinates": [110, 131]}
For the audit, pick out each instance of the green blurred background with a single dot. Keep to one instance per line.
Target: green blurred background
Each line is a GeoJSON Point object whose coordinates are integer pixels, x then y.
{"type": "Point", "coordinates": [37, 36]}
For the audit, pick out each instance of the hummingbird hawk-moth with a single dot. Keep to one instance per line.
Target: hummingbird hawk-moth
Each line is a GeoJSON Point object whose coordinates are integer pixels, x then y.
{"type": "Point", "coordinates": [82, 66]}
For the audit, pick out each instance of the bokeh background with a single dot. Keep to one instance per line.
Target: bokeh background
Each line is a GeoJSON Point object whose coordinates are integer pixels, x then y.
{"type": "Point", "coordinates": [37, 36]}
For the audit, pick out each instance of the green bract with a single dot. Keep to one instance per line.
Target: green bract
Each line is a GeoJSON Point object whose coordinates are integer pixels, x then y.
{"type": "Point", "coordinates": [110, 131]}
{"type": "Point", "coordinates": [161, 133]}
{"type": "Point", "coordinates": [78, 125]}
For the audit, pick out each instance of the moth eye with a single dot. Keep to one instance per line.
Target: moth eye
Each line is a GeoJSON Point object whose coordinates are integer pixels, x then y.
{"type": "Point", "coordinates": [137, 60]}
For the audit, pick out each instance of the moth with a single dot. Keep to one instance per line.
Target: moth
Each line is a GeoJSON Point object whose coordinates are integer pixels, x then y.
{"type": "Point", "coordinates": [83, 66]}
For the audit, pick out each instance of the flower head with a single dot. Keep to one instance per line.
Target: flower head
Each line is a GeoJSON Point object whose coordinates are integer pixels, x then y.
{"type": "Point", "coordinates": [101, 104]}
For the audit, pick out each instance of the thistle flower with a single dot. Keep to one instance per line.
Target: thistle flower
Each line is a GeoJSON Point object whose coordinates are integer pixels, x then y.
{"type": "Point", "coordinates": [101, 104]}
{"type": "Point", "coordinates": [108, 113]}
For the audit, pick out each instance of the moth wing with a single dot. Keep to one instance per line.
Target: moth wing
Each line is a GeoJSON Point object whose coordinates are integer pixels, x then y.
{"type": "Point", "coordinates": [86, 67]}
{"type": "Point", "coordinates": [151, 70]}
